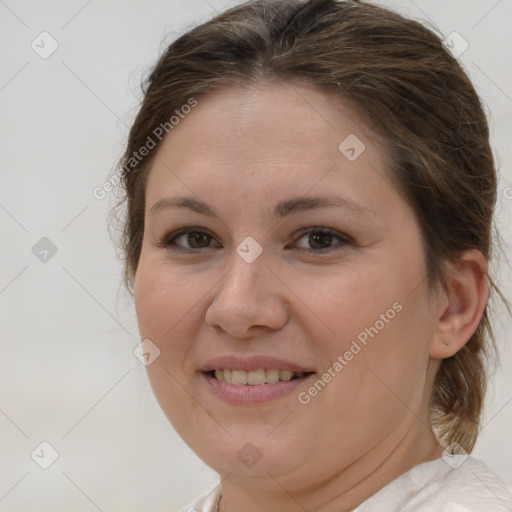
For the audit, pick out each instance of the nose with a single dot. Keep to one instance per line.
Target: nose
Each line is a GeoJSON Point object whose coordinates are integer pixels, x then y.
{"type": "Point", "coordinates": [248, 300]}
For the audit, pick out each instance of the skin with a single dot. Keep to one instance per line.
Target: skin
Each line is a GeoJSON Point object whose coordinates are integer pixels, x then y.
{"type": "Point", "coordinates": [242, 151]}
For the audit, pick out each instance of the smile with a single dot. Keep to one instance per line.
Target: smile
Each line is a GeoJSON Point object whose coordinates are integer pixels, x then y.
{"type": "Point", "coordinates": [255, 377]}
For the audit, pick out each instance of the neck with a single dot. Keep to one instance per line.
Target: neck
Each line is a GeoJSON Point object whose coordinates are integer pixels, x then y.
{"type": "Point", "coordinates": [345, 490]}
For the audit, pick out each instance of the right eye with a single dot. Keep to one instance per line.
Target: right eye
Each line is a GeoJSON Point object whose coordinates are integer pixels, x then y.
{"type": "Point", "coordinates": [196, 239]}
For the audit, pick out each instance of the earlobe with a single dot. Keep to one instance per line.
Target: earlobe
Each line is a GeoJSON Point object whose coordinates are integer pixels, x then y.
{"type": "Point", "coordinates": [464, 301]}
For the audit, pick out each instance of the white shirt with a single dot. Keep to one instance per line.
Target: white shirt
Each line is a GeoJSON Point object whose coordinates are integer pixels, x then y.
{"type": "Point", "coordinates": [457, 483]}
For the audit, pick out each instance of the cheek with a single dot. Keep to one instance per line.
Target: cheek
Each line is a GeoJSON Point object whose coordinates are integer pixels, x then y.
{"type": "Point", "coordinates": [163, 296]}
{"type": "Point", "coordinates": [167, 307]}
{"type": "Point", "coordinates": [348, 302]}
{"type": "Point", "coordinates": [379, 324]}
{"type": "Point", "coordinates": [383, 343]}
{"type": "Point", "coordinates": [151, 300]}
{"type": "Point", "coordinates": [171, 303]}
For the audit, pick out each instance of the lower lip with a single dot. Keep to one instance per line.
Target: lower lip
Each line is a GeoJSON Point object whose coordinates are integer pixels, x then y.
{"type": "Point", "coordinates": [247, 394]}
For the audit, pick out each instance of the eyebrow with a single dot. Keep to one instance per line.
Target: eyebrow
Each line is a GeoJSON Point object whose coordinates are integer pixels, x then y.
{"type": "Point", "coordinates": [282, 209]}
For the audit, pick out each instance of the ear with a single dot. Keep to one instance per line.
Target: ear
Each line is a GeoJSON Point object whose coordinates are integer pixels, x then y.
{"type": "Point", "coordinates": [461, 304]}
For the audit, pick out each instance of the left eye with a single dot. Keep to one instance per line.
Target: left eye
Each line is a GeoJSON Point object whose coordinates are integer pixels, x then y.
{"type": "Point", "coordinates": [320, 239]}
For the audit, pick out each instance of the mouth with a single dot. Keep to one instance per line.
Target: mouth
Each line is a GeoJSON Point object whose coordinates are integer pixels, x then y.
{"type": "Point", "coordinates": [254, 379]}
{"type": "Point", "coordinates": [239, 387]}
{"type": "Point", "coordinates": [257, 377]}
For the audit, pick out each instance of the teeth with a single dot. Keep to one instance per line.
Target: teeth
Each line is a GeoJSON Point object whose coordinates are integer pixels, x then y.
{"type": "Point", "coordinates": [285, 375]}
{"type": "Point", "coordinates": [272, 376]}
{"type": "Point", "coordinates": [255, 377]}
{"type": "Point", "coordinates": [238, 377]}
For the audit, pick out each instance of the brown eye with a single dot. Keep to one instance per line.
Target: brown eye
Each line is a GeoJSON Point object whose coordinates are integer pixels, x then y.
{"type": "Point", "coordinates": [188, 240]}
{"type": "Point", "coordinates": [322, 239]}
{"type": "Point", "coordinates": [196, 239]}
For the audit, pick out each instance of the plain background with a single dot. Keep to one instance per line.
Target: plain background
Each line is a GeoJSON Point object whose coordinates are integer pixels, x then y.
{"type": "Point", "coordinates": [67, 372]}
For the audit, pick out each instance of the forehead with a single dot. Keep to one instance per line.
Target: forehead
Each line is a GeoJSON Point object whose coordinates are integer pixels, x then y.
{"type": "Point", "coordinates": [264, 138]}
{"type": "Point", "coordinates": [281, 113]}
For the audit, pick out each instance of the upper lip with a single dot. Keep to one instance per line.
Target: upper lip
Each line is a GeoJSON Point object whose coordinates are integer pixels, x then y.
{"type": "Point", "coordinates": [253, 362]}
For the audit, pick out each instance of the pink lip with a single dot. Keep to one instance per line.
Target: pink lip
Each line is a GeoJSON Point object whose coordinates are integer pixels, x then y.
{"type": "Point", "coordinates": [247, 394]}
{"type": "Point", "coordinates": [249, 363]}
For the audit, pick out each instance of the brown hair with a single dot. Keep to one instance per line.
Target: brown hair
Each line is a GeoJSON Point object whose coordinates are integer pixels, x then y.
{"type": "Point", "coordinates": [399, 75]}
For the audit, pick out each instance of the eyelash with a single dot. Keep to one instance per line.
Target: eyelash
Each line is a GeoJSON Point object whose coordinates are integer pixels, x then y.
{"type": "Point", "coordinates": [167, 241]}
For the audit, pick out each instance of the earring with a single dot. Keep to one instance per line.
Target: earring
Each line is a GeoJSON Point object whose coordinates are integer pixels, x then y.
{"type": "Point", "coordinates": [445, 342]}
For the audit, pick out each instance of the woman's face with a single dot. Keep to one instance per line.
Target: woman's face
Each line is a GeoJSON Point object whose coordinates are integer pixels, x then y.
{"type": "Point", "coordinates": [266, 274]}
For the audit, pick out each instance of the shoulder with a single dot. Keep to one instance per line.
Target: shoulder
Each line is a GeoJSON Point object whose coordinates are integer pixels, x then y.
{"type": "Point", "coordinates": [206, 502]}
{"type": "Point", "coordinates": [458, 483]}
{"type": "Point", "coordinates": [473, 486]}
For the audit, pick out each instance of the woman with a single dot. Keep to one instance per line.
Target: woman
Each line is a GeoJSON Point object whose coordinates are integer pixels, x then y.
{"type": "Point", "coordinates": [310, 192]}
